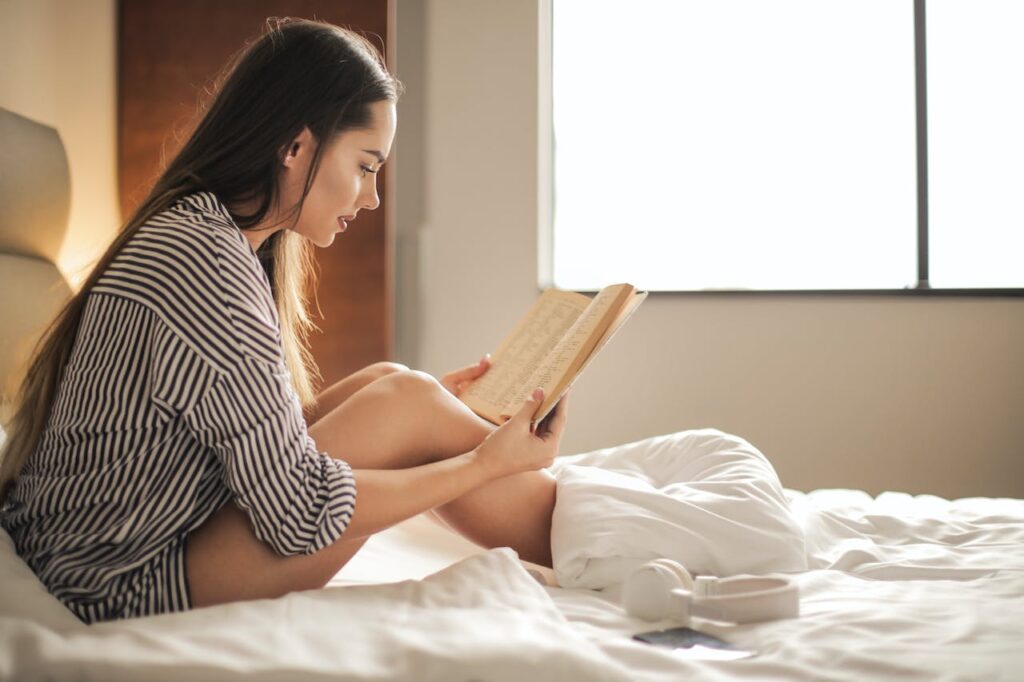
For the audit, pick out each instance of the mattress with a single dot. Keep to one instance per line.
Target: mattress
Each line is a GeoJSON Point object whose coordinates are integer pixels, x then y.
{"type": "Point", "coordinates": [897, 587]}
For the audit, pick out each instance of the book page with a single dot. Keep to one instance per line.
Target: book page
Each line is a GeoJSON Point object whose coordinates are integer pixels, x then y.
{"type": "Point", "coordinates": [550, 400]}
{"type": "Point", "coordinates": [566, 359]}
{"type": "Point", "coordinates": [506, 383]}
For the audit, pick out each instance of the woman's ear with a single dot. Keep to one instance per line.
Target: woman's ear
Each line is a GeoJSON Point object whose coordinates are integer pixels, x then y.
{"type": "Point", "coordinates": [300, 145]}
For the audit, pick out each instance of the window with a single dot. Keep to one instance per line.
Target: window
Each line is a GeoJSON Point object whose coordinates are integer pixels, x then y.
{"type": "Point", "coordinates": [755, 145]}
{"type": "Point", "coordinates": [976, 143]}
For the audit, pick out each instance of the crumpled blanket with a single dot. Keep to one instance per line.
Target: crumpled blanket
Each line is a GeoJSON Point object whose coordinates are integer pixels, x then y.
{"type": "Point", "coordinates": [483, 618]}
{"type": "Point", "coordinates": [704, 498]}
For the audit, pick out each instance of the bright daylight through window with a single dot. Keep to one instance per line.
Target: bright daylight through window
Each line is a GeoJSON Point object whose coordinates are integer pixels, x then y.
{"type": "Point", "coordinates": [771, 145]}
{"type": "Point", "coordinates": [976, 143]}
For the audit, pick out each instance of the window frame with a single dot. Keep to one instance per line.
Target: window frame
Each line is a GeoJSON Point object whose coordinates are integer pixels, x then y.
{"type": "Point", "coordinates": [545, 183]}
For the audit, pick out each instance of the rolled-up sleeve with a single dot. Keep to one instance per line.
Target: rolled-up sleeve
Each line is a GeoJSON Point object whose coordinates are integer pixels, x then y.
{"type": "Point", "coordinates": [298, 499]}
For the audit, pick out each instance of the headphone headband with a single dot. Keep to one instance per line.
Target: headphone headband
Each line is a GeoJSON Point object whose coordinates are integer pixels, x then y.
{"type": "Point", "coordinates": [664, 589]}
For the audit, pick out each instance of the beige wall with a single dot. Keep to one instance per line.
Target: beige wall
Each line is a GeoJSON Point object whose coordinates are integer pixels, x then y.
{"type": "Point", "coordinates": [878, 393]}
{"type": "Point", "coordinates": [58, 61]}
{"type": "Point", "coordinates": [923, 395]}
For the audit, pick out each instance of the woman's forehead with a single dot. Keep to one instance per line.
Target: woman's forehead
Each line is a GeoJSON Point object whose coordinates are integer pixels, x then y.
{"type": "Point", "coordinates": [375, 139]}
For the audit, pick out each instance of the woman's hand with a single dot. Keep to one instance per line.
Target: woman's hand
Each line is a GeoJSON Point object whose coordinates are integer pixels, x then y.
{"type": "Point", "coordinates": [519, 445]}
{"type": "Point", "coordinates": [456, 382]}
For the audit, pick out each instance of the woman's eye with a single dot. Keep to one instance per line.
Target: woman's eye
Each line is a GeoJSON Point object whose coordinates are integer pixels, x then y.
{"type": "Point", "coordinates": [366, 169]}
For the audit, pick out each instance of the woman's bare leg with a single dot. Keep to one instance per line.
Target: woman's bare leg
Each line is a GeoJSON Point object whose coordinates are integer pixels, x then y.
{"type": "Point", "coordinates": [340, 391]}
{"type": "Point", "coordinates": [514, 511]}
{"type": "Point", "coordinates": [225, 562]}
{"type": "Point", "coordinates": [401, 420]}
{"type": "Point", "coordinates": [485, 515]}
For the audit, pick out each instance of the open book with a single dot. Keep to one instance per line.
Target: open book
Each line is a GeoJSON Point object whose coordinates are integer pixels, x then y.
{"type": "Point", "coordinates": [549, 348]}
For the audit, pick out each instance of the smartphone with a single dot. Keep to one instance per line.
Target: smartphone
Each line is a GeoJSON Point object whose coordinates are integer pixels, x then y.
{"type": "Point", "coordinates": [691, 644]}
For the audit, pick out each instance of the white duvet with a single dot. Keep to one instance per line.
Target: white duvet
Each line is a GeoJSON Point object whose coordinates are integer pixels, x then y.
{"type": "Point", "coordinates": [703, 498]}
{"type": "Point", "coordinates": [483, 618]}
{"type": "Point", "coordinates": [893, 587]}
{"type": "Point", "coordinates": [898, 587]}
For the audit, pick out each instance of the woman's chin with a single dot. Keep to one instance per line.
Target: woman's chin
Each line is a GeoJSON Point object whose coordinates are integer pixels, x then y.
{"type": "Point", "coordinates": [324, 242]}
{"type": "Point", "coordinates": [319, 239]}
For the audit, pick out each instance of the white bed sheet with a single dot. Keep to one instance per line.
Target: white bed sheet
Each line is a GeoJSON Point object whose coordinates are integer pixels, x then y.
{"type": "Point", "coordinates": [899, 587]}
{"type": "Point", "coordinates": [481, 618]}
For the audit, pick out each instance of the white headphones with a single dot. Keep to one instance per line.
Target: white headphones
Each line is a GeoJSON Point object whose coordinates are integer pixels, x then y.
{"type": "Point", "coordinates": [663, 589]}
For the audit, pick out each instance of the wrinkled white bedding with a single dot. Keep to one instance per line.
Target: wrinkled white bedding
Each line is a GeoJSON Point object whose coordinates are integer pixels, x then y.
{"type": "Point", "coordinates": [483, 618]}
{"type": "Point", "coordinates": [896, 587]}
{"type": "Point", "coordinates": [703, 498]}
{"type": "Point", "coordinates": [898, 536]}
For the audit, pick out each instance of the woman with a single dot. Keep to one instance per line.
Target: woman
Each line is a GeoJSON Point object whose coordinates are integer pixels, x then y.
{"type": "Point", "coordinates": [159, 459]}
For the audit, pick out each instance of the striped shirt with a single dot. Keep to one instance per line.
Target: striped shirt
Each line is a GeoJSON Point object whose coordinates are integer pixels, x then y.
{"type": "Point", "coordinates": [175, 400]}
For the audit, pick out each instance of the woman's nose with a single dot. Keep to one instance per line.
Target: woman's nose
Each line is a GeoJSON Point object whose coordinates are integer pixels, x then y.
{"type": "Point", "coordinates": [370, 198]}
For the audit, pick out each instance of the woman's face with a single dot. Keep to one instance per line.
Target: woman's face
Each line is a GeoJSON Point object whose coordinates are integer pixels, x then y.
{"type": "Point", "coordinates": [346, 181]}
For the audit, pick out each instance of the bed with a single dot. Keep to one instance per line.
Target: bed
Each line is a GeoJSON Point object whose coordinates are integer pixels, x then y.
{"type": "Point", "coordinates": [902, 587]}
{"type": "Point", "coordinates": [891, 587]}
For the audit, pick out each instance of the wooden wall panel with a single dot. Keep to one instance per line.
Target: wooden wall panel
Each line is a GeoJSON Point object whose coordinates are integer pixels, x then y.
{"type": "Point", "coordinates": [170, 51]}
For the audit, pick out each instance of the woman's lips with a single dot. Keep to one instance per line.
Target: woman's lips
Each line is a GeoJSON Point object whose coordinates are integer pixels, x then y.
{"type": "Point", "coordinates": [342, 224]}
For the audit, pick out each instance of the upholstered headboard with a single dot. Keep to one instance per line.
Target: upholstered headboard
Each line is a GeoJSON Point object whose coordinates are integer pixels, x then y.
{"type": "Point", "coordinates": [35, 200]}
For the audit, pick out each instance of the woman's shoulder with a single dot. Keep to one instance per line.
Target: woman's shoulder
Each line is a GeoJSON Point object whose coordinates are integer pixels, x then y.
{"type": "Point", "coordinates": [193, 268]}
{"type": "Point", "coordinates": [199, 225]}
{"type": "Point", "coordinates": [192, 243]}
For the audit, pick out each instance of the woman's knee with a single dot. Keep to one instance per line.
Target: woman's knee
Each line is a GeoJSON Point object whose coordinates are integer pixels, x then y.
{"type": "Point", "coordinates": [379, 370]}
{"type": "Point", "coordinates": [410, 383]}
{"type": "Point", "coordinates": [405, 418]}
{"type": "Point", "coordinates": [437, 415]}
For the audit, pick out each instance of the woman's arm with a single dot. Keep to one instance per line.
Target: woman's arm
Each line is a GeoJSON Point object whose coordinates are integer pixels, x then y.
{"type": "Point", "coordinates": [388, 496]}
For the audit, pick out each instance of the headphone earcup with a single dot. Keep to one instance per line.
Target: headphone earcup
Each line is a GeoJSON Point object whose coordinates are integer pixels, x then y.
{"type": "Point", "coordinates": [647, 592]}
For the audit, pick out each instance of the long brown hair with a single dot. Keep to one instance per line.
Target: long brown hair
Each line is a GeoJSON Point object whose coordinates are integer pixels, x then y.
{"type": "Point", "coordinates": [298, 74]}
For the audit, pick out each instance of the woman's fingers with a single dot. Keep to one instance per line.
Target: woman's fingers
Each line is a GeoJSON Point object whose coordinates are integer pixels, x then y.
{"type": "Point", "coordinates": [530, 406]}
{"type": "Point", "coordinates": [474, 371]}
{"type": "Point", "coordinates": [520, 445]}
{"type": "Point", "coordinates": [454, 381]}
{"type": "Point", "coordinates": [527, 409]}
{"type": "Point", "coordinates": [554, 422]}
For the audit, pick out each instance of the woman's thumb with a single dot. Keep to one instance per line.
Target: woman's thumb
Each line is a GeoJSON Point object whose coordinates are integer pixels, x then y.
{"type": "Point", "coordinates": [532, 403]}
